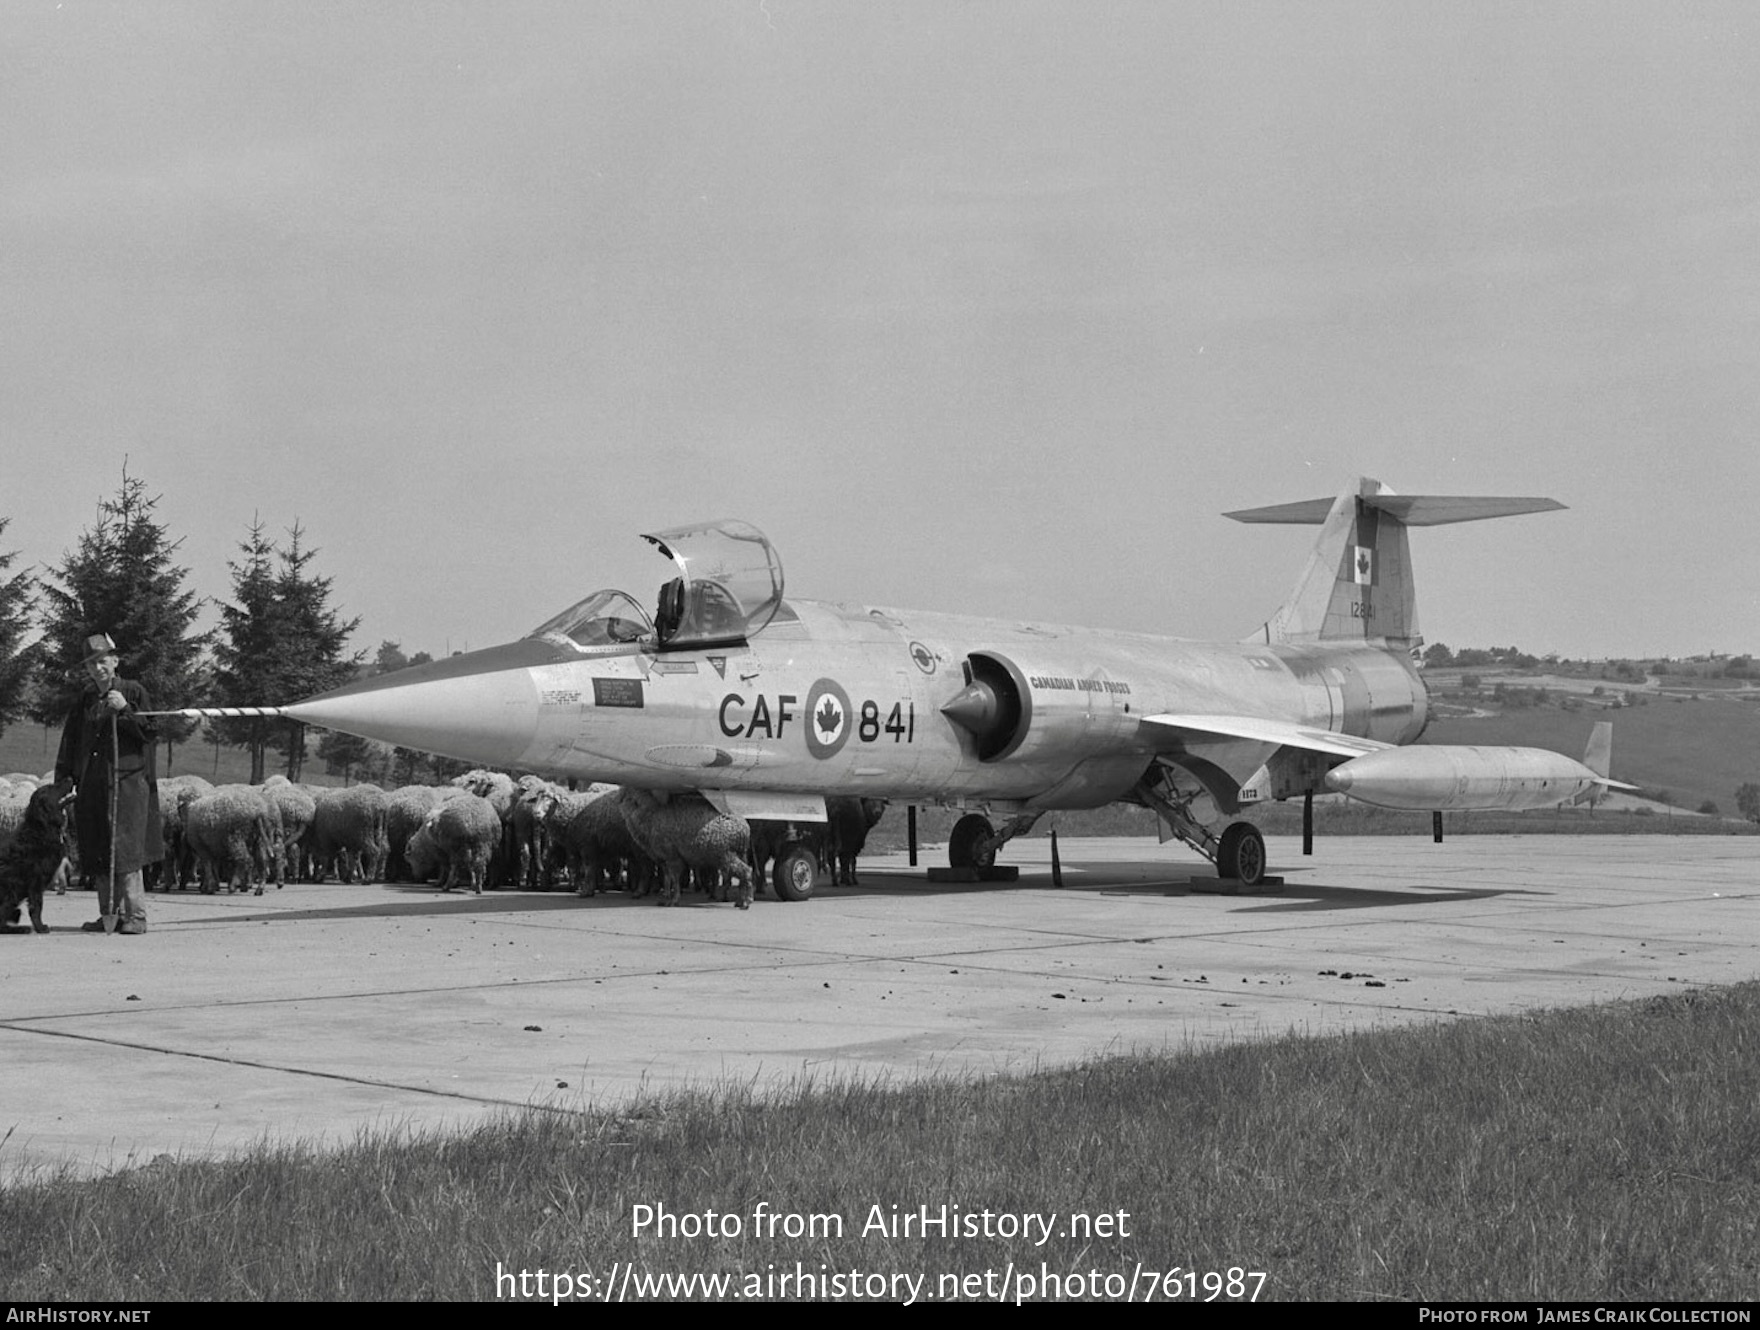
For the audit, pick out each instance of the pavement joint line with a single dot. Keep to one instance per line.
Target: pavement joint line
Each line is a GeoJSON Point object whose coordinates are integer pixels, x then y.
{"type": "Point", "coordinates": [805, 959]}
{"type": "Point", "coordinates": [292, 1071]}
{"type": "Point", "coordinates": [802, 960]}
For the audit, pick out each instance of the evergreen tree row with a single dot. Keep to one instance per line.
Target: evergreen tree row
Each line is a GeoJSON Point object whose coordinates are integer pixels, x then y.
{"type": "Point", "coordinates": [280, 637]}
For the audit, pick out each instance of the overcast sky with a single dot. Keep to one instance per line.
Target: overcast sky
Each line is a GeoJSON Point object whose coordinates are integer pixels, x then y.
{"type": "Point", "coordinates": [986, 307]}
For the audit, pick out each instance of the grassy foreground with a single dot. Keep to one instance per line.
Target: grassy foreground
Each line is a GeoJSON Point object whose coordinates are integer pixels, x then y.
{"type": "Point", "coordinates": [1603, 1153]}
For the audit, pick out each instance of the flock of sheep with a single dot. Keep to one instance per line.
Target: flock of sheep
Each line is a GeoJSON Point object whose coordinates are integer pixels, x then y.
{"type": "Point", "coordinates": [485, 829]}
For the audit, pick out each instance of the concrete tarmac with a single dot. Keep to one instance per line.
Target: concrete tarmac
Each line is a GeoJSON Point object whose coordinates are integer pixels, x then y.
{"type": "Point", "coordinates": [315, 1012]}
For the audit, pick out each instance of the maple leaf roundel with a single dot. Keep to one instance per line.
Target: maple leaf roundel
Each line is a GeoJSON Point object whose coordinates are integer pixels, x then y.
{"type": "Point", "coordinates": [828, 718]}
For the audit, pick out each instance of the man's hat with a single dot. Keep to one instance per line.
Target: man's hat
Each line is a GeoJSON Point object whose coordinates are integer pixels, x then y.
{"type": "Point", "coordinates": [98, 644]}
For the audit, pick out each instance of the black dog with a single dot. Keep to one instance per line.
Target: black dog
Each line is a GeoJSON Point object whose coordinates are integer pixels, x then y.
{"type": "Point", "coordinates": [36, 854]}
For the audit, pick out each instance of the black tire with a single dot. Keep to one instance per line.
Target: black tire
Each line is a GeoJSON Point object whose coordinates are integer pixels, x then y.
{"type": "Point", "coordinates": [1240, 856]}
{"type": "Point", "coordinates": [795, 873]}
{"type": "Point", "coordinates": [962, 844]}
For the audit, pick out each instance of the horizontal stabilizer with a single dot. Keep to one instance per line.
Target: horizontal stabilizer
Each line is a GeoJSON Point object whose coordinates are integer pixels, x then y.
{"type": "Point", "coordinates": [1357, 584]}
{"type": "Point", "coordinates": [1412, 509]}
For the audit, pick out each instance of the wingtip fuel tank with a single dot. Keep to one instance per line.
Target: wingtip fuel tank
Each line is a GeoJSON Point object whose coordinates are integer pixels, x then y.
{"type": "Point", "coordinates": [1440, 779]}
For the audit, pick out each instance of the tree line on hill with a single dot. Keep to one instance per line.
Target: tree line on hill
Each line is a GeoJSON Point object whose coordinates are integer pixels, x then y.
{"type": "Point", "coordinates": [279, 637]}
{"type": "Point", "coordinates": [1438, 656]}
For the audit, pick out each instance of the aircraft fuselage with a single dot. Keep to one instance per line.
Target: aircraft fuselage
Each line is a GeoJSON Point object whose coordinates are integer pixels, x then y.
{"type": "Point", "coordinates": [842, 699]}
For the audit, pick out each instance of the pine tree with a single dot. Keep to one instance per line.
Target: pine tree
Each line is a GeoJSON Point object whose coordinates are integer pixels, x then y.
{"type": "Point", "coordinates": [249, 653]}
{"type": "Point", "coordinates": [121, 580]}
{"type": "Point", "coordinates": [389, 657]}
{"type": "Point", "coordinates": [18, 596]}
{"type": "Point", "coordinates": [281, 641]}
{"type": "Point", "coordinates": [320, 664]}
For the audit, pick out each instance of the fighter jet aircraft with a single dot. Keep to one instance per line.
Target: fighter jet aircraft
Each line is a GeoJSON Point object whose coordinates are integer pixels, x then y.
{"type": "Point", "coordinates": [767, 705]}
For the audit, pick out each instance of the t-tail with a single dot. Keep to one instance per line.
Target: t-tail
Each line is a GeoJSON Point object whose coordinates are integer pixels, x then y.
{"type": "Point", "coordinates": [1357, 585]}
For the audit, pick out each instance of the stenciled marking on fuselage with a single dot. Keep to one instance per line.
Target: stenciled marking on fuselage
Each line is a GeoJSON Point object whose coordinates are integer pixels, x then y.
{"type": "Point", "coordinates": [1063, 683]}
{"type": "Point", "coordinates": [617, 692]}
{"type": "Point", "coordinates": [764, 719]}
{"type": "Point", "coordinates": [827, 718]}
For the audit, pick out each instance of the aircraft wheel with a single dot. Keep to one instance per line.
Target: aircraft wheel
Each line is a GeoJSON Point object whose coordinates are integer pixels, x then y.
{"type": "Point", "coordinates": [962, 844]}
{"type": "Point", "coordinates": [797, 869]}
{"type": "Point", "coordinates": [1241, 854]}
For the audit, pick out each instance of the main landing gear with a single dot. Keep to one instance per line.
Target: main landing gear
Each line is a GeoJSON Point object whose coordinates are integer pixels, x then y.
{"type": "Point", "coordinates": [1239, 853]}
{"type": "Point", "coordinates": [972, 843]}
{"type": "Point", "coordinates": [972, 846]}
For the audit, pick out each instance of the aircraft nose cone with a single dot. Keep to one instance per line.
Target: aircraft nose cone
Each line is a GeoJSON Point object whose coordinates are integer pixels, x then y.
{"type": "Point", "coordinates": [1339, 779]}
{"type": "Point", "coordinates": [481, 706]}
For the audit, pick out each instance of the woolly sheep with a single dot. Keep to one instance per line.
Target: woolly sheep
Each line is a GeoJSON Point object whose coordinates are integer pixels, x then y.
{"type": "Point", "coordinates": [233, 833]}
{"type": "Point", "coordinates": [531, 833]}
{"type": "Point", "coordinates": [422, 855]}
{"type": "Point", "coordinates": [685, 830]}
{"type": "Point", "coordinates": [178, 867]}
{"type": "Point", "coordinates": [12, 806]}
{"type": "Point", "coordinates": [406, 808]}
{"type": "Point", "coordinates": [495, 786]}
{"type": "Point", "coordinates": [466, 831]}
{"type": "Point", "coordinates": [595, 837]}
{"type": "Point", "coordinates": [347, 834]}
{"type": "Point", "coordinates": [498, 788]}
{"type": "Point", "coordinates": [556, 807]}
{"type": "Point", "coordinates": [295, 808]}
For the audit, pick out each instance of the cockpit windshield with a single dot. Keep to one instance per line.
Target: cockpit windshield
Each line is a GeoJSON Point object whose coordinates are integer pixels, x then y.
{"type": "Point", "coordinates": [729, 587]}
{"type": "Point", "coordinates": [728, 590]}
{"type": "Point", "coordinates": [605, 618]}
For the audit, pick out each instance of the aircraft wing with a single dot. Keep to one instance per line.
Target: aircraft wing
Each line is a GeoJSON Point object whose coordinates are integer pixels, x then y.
{"type": "Point", "coordinates": [1182, 730]}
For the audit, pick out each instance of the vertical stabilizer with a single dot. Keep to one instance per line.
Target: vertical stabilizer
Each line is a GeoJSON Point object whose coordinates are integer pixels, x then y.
{"type": "Point", "coordinates": [1598, 756]}
{"type": "Point", "coordinates": [1357, 585]}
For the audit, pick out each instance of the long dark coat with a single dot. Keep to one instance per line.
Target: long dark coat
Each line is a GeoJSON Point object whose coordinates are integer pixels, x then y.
{"type": "Point", "coordinates": [85, 756]}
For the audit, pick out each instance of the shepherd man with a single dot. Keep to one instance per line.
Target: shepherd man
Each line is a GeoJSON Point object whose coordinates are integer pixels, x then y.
{"type": "Point", "coordinates": [111, 751]}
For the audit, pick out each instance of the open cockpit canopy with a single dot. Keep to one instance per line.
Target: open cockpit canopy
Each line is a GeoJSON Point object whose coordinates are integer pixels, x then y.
{"type": "Point", "coordinates": [728, 589]}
